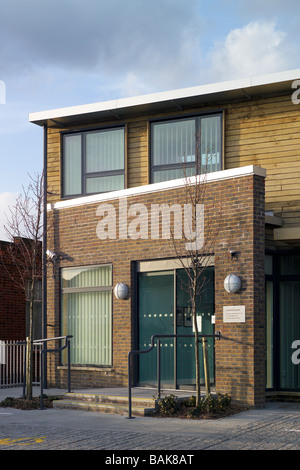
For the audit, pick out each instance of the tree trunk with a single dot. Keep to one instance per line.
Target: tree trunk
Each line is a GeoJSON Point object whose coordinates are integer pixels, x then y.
{"type": "Point", "coordinates": [206, 366]}
{"type": "Point", "coordinates": [29, 340]}
{"type": "Point", "coordinates": [197, 364]}
{"type": "Point", "coordinates": [28, 368]}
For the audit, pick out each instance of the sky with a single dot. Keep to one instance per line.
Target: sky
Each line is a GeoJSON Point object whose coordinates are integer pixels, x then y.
{"type": "Point", "coordinates": [60, 53]}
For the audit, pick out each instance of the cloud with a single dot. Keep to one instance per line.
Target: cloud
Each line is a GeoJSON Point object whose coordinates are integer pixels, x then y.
{"type": "Point", "coordinates": [7, 200]}
{"type": "Point", "coordinates": [71, 52]}
{"type": "Point", "coordinates": [56, 54]}
{"type": "Point", "coordinates": [104, 35]}
{"type": "Point", "coordinates": [254, 49]}
{"type": "Point", "coordinates": [65, 53]}
{"type": "Point", "coordinates": [289, 10]}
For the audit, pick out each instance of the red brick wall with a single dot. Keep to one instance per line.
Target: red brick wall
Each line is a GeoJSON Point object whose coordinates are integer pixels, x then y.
{"type": "Point", "coordinates": [12, 299]}
{"type": "Point", "coordinates": [240, 355]}
{"type": "Point", "coordinates": [237, 209]}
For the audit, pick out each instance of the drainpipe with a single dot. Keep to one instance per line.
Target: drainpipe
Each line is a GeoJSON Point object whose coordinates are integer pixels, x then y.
{"type": "Point", "coordinates": [44, 260]}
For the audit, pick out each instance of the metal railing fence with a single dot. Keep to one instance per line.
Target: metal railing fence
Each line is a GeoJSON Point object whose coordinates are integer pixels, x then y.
{"type": "Point", "coordinates": [45, 350]}
{"type": "Point", "coordinates": [12, 363]}
{"type": "Point", "coordinates": [216, 335]}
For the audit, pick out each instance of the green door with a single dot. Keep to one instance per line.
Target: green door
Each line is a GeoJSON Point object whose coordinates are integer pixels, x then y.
{"type": "Point", "coordinates": [283, 321]}
{"type": "Point", "coordinates": [156, 317]}
{"type": "Point", "coordinates": [289, 335]}
{"type": "Point", "coordinates": [158, 292]}
{"type": "Point", "coordinates": [186, 346]}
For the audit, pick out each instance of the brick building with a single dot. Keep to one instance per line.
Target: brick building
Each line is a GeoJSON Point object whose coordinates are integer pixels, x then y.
{"type": "Point", "coordinates": [110, 166]}
{"type": "Point", "coordinates": [12, 299]}
{"type": "Point", "coordinates": [13, 305]}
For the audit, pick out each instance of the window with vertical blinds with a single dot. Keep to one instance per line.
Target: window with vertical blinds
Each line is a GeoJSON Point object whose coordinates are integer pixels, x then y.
{"type": "Point", "coordinates": [185, 147]}
{"type": "Point", "coordinates": [93, 162]}
{"type": "Point", "coordinates": [86, 314]}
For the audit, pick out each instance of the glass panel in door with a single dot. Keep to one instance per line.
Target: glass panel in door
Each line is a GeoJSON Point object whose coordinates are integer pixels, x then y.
{"type": "Point", "coordinates": [156, 317]}
{"type": "Point", "coordinates": [289, 332]}
{"type": "Point", "coordinates": [269, 334]}
{"type": "Point", "coordinates": [186, 372]}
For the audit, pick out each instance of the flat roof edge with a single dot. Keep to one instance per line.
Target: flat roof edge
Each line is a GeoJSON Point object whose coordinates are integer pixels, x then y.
{"type": "Point", "coordinates": [201, 90]}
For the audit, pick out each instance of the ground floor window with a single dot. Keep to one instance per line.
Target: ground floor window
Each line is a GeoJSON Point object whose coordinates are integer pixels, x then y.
{"type": "Point", "coordinates": [283, 321]}
{"type": "Point", "coordinates": [86, 313]}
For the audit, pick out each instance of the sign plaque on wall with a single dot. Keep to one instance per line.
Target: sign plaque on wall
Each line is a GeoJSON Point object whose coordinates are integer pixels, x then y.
{"type": "Point", "coordinates": [234, 314]}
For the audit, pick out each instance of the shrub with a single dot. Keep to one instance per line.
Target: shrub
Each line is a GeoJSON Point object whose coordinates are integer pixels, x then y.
{"type": "Point", "coordinates": [24, 404]}
{"type": "Point", "coordinates": [190, 402]}
{"type": "Point", "coordinates": [211, 404]}
{"type": "Point", "coordinates": [168, 405]}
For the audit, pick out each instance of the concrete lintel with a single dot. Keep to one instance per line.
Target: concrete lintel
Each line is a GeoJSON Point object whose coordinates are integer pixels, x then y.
{"type": "Point", "coordinates": [287, 233]}
{"type": "Point", "coordinates": [273, 220]}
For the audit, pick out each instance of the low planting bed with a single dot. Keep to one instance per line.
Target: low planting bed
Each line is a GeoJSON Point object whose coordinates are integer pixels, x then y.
{"type": "Point", "coordinates": [210, 407]}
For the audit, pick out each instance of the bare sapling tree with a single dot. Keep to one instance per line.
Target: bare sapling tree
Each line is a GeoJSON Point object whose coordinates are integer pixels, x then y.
{"type": "Point", "coordinates": [24, 229]}
{"type": "Point", "coordinates": [195, 257]}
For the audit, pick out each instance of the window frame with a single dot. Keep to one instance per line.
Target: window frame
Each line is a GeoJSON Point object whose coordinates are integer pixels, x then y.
{"type": "Point", "coordinates": [197, 117]}
{"type": "Point", "coordinates": [84, 174]}
{"type": "Point", "coordinates": [70, 290]}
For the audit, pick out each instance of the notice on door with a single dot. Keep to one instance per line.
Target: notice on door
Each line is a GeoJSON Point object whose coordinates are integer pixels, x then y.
{"type": "Point", "coordinates": [234, 314]}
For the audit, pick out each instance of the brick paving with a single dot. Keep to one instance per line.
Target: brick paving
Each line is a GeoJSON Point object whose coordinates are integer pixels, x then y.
{"type": "Point", "coordinates": [276, 427]}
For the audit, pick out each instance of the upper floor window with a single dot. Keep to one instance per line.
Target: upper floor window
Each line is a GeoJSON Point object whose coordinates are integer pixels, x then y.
{"type": "Point", "coordinates": [186, 146]}
{"type": "Point", "coordinates": [93, 162]}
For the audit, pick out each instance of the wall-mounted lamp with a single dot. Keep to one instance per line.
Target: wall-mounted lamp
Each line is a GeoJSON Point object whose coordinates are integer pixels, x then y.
{"type": "Point", "coordinates": [121, 290]}
{"type": "Point", "coordinates": [232, 283]}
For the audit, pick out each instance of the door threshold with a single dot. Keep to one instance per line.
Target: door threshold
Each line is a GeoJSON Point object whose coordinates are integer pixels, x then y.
{"type": "Point", "coordinates": [167, 389]}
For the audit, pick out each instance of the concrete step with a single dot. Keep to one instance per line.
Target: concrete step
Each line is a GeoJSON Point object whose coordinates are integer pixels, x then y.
{"type": "Point", "coordinates": [106, 404]}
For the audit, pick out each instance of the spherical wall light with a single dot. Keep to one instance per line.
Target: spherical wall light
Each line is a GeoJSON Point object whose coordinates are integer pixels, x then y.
{"type": "Point", "coordinates": [121, 290]}
{"type": "Point", "coordinates": [232, 283]}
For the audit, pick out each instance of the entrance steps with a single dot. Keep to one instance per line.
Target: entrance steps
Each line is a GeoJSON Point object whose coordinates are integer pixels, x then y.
{"type": "Point", "coordinates": [114, 404]}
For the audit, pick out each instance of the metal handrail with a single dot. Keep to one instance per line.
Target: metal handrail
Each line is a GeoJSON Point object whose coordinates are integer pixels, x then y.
{"type": "Point", "coordinates": [45, 350]}
{"type": "Point", "coordinates": [217, 335]}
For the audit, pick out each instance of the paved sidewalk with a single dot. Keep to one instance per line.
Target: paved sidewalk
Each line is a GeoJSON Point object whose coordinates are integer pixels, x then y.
{"type": "Point", "coordinates": [275, 427]}
{"type": "Point", "coordinates": [17, 392]}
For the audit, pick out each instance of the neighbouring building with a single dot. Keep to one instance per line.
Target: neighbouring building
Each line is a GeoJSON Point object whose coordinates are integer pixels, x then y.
{"type": "Point", "coordinates": [14, 306]}
{"type": "Point", "coordinates": [115, 179]}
